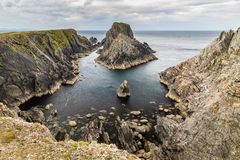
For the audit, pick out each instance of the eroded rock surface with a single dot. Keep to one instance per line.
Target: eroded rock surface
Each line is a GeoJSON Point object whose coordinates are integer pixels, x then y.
{"type": "Point", "coordinates": [123, 90]}
{"type": "Point", "coordinates": [121, 50]}
{"type": "Point", "coordinates": [37, 63]}
{"type": "Point", "coordinates": [22, 140]}
{"type": "Point", "coordinates": [206, 88]}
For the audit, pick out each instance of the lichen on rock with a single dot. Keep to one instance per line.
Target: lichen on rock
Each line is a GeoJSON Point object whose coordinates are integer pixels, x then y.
{"type": "Point", "coordinates": [22, 140]}
{"type": "Point", "coordinates": [207, 87]}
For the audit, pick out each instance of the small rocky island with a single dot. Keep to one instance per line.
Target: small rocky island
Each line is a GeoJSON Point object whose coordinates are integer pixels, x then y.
{"type": "Point", "coordinates": [123, 90]}
{"type": "Point", "coordinates": [121, 50]}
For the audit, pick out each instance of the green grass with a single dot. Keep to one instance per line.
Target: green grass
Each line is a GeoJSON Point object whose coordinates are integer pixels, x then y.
{"type": "Point", "coordinates": [27, 42]}
{"type": "Point", "coordinates": [6, 137]}
{"type": "Point", "coordinates": [1, 65]}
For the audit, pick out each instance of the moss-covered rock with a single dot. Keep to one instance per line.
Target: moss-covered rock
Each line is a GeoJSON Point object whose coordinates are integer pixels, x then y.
{"type": "Point", "coordinates": [22, 140]}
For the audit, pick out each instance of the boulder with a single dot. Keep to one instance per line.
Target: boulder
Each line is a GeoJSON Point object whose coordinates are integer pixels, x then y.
{"type": "Point", "coordinates": [72, 123]}
{"type": "Point", "coordinates": [93, 40]}
{"type": "Point", "coordinates": [135, 113]}
{"type": "Point", "coordinates": [13, 90]}
{"type": "Point", "coordinates": [61, 135]}
{"type": "Point", "coordinates": [33, 115]}
{"type": "Point", "coordinates": [123, 91]}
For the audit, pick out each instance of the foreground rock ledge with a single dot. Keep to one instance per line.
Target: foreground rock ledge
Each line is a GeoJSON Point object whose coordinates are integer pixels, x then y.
{"type": "Point", "coordinates": [121, 50]}
{"type": "Point", "coordinates": [207, 88]}
{"type": "Point", "coordinates": [23, 140]}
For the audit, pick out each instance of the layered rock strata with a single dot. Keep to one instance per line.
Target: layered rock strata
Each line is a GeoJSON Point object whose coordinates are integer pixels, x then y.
{"type": "Point", "coordinates": [37, 63]}
{"type": "Point", "coordinates": [206, 88]}
{"type": "Point", "coordinates": [121, 50]}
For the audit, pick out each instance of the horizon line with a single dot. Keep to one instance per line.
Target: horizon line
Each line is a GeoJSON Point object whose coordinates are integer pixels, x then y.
{"type": "Point", "coordinates": [92, 30]}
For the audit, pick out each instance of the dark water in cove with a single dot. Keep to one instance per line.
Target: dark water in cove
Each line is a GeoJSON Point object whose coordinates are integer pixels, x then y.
{"type": "Point", "coordinates": [98, 87]}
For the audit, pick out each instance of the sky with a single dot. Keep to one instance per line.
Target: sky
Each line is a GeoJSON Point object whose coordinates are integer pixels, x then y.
{"type": "Point", "coordinates": [140, 14]}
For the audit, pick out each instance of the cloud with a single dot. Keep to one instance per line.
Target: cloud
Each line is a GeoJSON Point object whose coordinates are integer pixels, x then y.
{"type": "Point", "coordinates": [140, 13]}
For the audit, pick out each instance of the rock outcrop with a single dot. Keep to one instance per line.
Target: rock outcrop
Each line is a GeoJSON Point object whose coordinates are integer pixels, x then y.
{"type": "Point", "coordinates": [121, 50]}
{"type": "Point", "coordinates": [33, 115]}
{"type": "Point", "coordinates": [93, 40]}
{"type": "Point", "coordinates": [22, 140]}
{"type": "Point", "coordinates": [206, 88]}
{"type": "Point", "coordinates": [37, 63]}
{"type": "Point", "coordinates": [123, 90]}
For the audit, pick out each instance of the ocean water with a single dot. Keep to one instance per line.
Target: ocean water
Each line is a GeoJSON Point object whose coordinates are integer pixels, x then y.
{"type": "Point", "coordinates": [98, 86]}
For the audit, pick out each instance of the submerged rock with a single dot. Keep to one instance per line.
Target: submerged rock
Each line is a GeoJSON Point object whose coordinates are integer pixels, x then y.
{"type": "Point", "coordinates": [135, 113]}
{"type": "Point", "coordinates": [89, 115]}
{"type": "Point", "coordinates": [48, 106]}
{"type": "Point", "coordinates": [101, 118]}
{"type": "Point", "coordinates": [111, 113]}
{"type": "Point", "coordinates": [121, 50]}
{"type": "Point", "coordinates": [123, 91]}
{"type": "Point", "coordinates": [72, 123]}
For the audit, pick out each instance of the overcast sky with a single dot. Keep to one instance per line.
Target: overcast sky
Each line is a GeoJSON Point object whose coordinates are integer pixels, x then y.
{"type": "Point", "coordinates": [140, 14]}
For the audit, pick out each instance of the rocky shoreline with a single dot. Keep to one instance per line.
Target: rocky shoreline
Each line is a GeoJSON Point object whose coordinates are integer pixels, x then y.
{"type": "Point", "coordinates": [128, 65]}
{"type": "Point", "coordinates": [40, 62]}
{"type": "Point", "coordinates": [206, 89]}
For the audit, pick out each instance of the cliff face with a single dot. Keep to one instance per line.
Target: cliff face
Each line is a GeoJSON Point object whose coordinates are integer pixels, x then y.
{"type": "Point", "coordinates": [37, 63]}
{"type": "Point", "coordinates": [22, 140]}
{"type": "Point", "coordinates": [207, 88]}
{"type": "Point", "coordinates": [121, 50]}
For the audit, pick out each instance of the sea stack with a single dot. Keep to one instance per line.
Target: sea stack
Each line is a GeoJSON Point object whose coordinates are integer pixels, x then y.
{"type": "Point", "coordinates": [121, 50]}
{"type": "Point", "coordinates": [123, 90]}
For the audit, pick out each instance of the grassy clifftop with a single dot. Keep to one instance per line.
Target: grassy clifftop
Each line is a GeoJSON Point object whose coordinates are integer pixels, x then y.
{"type": "Point", "coordinates": [37, 62]}
{"type": "Point", "coordinates": [56, 39]}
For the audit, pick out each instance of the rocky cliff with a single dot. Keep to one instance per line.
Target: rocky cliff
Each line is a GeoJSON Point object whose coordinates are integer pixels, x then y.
{"type": "Point", "coordinates": [37, 63]}
{"type": "Point", "coordinates": [121, 50]}
{"type": "Point", "coordinates": [22, 140]}
{"type": "Point", "coordinates": [207, 89]}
